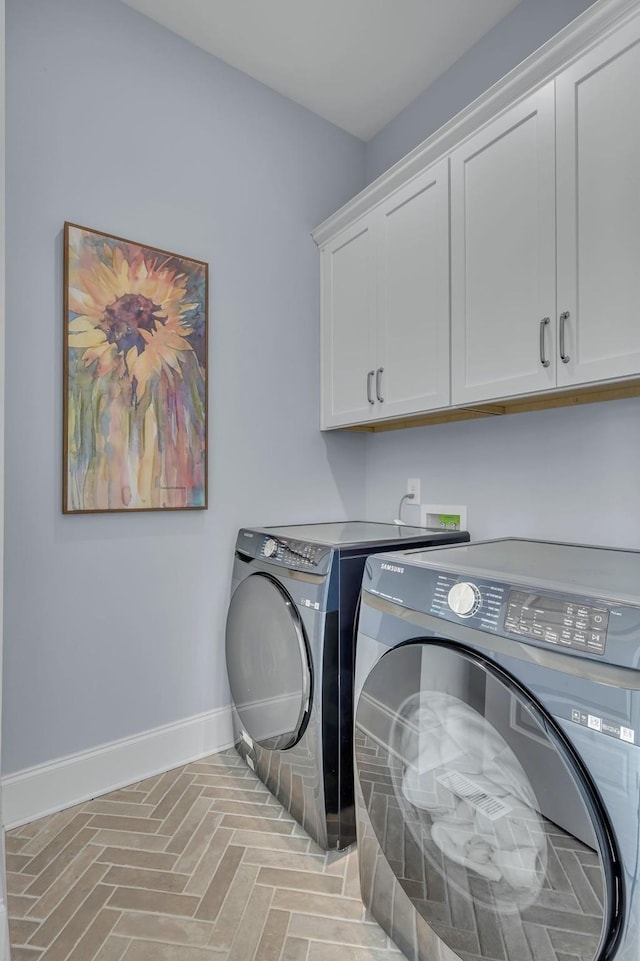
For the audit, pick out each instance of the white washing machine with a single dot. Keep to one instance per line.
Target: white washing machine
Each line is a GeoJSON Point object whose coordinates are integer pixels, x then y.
{"type": "Point", "coordinates": [497, 756]}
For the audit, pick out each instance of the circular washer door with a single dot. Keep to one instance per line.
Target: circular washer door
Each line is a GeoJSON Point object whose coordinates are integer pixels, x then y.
{"type": "Point", "coordinates": [268, 663]}
{"type": "Point", "coordinates": [447, 758]}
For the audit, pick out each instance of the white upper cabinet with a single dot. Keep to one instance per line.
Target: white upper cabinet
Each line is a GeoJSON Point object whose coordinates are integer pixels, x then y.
{"type": "Point", "coordinates": [598, 150]}
{"type": "Point", "coordinates": [385, 307]}
{"type": "Point", "coordinates": [503, 255]}
{"type": "Point", "coordinates": [501, 258]}
{"type": "Point", "coordinates": [349, 316]}
{"type": "Point", "coordinates": [413, 272]}
{"type": "Point", "coordinates": [508, 212]}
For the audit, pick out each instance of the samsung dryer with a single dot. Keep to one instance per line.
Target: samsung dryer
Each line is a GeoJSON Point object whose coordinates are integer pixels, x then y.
{"type": "Point", "coordinates": [289, 648]}
{"type": "Point", "coordinates": [497, 759]}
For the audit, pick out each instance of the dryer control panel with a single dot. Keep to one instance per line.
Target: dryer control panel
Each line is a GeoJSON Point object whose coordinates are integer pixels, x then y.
{"type": "Point", "coordinates": [284, 552]}
{"type": "Point", "coordinates": [296, 554]}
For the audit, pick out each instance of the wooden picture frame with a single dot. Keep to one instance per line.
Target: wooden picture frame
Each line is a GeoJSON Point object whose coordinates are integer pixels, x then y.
{"type": "Point", "coordinates": [135, 376]}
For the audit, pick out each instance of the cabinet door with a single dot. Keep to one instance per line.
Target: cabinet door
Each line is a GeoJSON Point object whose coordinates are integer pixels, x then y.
{"type": "Point", "coordinates": [413, 272]}
{"type": "Point", "coordinates": [598, 172]}
{"type": "Point", "coordinates": [349, 317]}
{"type": "Point", "coordinates": [503, 255]}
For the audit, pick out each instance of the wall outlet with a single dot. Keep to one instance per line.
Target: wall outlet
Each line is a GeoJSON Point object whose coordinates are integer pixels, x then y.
{"type": "Point", "coordinates": [450, 517]}
{"type": "Point", "coordinates": [413, 487]}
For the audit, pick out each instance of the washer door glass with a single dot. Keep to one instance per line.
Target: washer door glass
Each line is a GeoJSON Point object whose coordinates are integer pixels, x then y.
{"type": "Point", "coordinates": [448, 759]}
{"type": "Point", "coordinates": [268, 663]}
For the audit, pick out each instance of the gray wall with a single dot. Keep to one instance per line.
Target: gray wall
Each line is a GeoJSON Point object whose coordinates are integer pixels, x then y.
{"type": "Point", "coordinates": [114, 624]}
{"type": "Point", "coordinates": [517, 35]}
{"type": "Point", "coordinates": [567, 474]}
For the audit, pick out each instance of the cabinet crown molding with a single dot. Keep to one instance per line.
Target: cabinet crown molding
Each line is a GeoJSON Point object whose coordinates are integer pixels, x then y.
{"type": "Point", "coordinates": [538, 68]}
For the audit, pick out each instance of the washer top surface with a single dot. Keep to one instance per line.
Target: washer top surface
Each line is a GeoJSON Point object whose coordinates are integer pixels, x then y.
{"type": "Point", "coordinates": [354, 533]}
{"type": "Point", "coordinates": [572, 568]}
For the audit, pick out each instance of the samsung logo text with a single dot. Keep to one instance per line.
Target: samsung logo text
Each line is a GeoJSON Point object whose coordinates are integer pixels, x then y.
{"type": "Point", "coordinates": [392, 567]}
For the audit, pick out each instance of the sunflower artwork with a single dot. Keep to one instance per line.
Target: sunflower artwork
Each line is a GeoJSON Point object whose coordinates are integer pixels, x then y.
{"type": "Point", "coordinates": [135, 404]}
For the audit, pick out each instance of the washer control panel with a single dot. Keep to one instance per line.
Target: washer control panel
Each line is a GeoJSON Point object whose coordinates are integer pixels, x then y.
{"type": "Point", "coordinates": [592, 625]}
{"type": "Point", "coordinates": [564, 623]}
{"type": "Point", "coordinates": [479, 602]}
{"type": "Point", "coordinates": [464, 599]}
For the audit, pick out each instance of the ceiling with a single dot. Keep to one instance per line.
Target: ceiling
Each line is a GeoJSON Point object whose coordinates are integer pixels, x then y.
{"type": "Point", "coordinates": [357, 63]}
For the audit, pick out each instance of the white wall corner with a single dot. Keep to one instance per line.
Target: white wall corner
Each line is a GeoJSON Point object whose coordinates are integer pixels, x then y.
{"type": "Point", "coordinates": [5, 947]}
{"type": "Point", "coordinates": [5, 950]}
{"type": "Point", "coordinates": [46, 788]}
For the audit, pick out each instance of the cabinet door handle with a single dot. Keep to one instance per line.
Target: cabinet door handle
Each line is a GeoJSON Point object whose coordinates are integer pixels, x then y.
{"type": "Point", "coordinates": [543, 360]}
{"type": "Point", "coordinates": [369, 385]}
{"type": "Point", "coordinates": [564, 317]}
{"type": "Point", "coordinates": [379, 373]}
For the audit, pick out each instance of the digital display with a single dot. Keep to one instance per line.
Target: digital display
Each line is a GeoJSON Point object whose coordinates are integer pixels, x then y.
{"type": "Point", "coordinates": [563, 623]}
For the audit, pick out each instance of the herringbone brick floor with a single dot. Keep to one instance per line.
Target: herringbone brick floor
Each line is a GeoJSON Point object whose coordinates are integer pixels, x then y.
{"type": "Point", "coordinates": [198, 864]}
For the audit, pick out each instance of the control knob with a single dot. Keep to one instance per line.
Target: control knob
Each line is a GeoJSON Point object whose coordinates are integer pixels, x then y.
{"type": "Point", "coordinates": [270, 547]}
{"type": "Point", "coordinates": [464, 599]}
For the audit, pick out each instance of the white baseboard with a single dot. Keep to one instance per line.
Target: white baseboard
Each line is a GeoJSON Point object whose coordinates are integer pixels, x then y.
{"type": "Point", "coordinates": [46, 788]}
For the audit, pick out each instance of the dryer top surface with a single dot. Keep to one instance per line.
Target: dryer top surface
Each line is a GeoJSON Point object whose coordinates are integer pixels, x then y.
{"type": "Point", "coordinates": [579, 569]}
{"type": "Point", "coordinates": [356, 533]}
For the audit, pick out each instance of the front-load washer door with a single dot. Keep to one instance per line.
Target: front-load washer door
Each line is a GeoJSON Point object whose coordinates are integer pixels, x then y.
{"type": "Point", "coordinates": [268, 663]}
{"type": "Point", "coordinates": [456, 815]}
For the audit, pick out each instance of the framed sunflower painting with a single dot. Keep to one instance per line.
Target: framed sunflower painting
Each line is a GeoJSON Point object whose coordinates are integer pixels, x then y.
{"type": "Point", "coordinates": [135, 372]}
